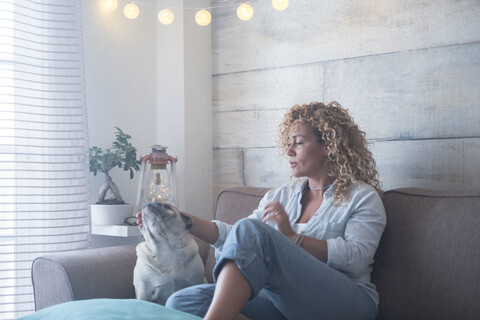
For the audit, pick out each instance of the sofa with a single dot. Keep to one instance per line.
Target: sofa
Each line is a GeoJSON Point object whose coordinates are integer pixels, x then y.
{"type": "Point", "coordinates": [426, 267]}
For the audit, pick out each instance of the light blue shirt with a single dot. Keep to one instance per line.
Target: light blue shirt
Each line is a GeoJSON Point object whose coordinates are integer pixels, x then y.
{"type": "Point", "coordinates": [352, 230]}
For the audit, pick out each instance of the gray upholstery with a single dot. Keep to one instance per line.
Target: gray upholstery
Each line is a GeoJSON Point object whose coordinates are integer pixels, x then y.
{"type": "Point", "coordinates": [84, 274]}
{"type": "Point", "coordinates": [232, 205]}
{"type": "Point", "coordinates": [427, 265]}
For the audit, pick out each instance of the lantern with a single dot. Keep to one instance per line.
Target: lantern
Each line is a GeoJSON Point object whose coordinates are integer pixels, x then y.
{"type": "Point", "coordinates": [158, 180]}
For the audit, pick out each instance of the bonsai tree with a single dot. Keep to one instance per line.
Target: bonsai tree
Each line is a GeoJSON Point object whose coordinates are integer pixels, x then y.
{"type": "Point", "coordinates": [122, 155]}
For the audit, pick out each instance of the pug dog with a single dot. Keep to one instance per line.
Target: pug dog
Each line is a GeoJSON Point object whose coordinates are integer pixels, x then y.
{"type": "Point", "coordinates": [168, 259]}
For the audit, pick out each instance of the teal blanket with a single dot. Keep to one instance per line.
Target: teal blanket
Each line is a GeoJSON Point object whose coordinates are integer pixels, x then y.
{"type": "Point", "coordinates": [100, 309]}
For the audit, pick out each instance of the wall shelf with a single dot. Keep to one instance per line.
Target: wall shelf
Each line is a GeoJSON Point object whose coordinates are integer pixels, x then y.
{"type": "Point", "coordinates": [116, 230]}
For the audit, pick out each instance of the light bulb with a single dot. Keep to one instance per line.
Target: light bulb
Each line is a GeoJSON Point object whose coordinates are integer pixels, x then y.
{"type": "Point", "coordinates": [109, 5]}
{"type": "Point", "coordinates": [131, 11]}
{"type": "Point", "coordinates": [244, 12]}
{"type": "Point", "coordinates": [280, 5]}
{"type": "Point", "coordinates": [203, 17]}
{"type": "Point", "coordinates": [165, 16]}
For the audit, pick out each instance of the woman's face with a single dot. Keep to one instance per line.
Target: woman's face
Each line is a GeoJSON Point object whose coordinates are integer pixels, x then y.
{"type": "Point", "coordinates": [308, 157]}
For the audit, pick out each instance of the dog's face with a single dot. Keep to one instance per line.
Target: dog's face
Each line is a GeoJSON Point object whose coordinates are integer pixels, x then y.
{"type": "Point", "coordinates": [161, 219]}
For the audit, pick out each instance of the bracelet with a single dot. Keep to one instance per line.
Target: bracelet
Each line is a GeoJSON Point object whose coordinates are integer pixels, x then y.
{"type": "Point", "coordinates": [296, 238]}
{"type": "Point", "coordinates": [299, 240]}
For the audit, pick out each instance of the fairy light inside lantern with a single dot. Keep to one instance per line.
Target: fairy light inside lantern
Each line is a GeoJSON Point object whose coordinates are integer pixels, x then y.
{"type": "Point", "coordinates": [245, 12]}
{"type": "Point", "coordinates": [131, 10]}
{"type": "Point", "coordinates": [158, 181]}
{"type": "Point", "coordinates": [165, 16]}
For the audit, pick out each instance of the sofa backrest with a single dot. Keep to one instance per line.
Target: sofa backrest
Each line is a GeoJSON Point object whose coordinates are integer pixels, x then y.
{"type": "Point", "coordinates": [234, 204]}
{"type": "Point", "coordinates": [427, 265]}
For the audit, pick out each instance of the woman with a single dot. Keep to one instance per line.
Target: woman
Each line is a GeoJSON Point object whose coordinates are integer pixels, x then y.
{"type": "Point", "coordinates": [307, 251]}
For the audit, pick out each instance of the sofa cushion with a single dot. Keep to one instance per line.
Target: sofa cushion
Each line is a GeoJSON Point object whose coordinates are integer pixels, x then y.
{"type": "Point", "coordinates": [107, 309]}
{"type": "Point", "coordinates": [428, 263]}
{"type": "Point", "coordinates": [234, 204]}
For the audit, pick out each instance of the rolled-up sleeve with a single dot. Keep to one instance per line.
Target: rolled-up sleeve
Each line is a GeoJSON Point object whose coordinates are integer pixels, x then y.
{"type": "Point", "coordinates": [224, 228]}
{"type": "Point", "coordinates": [353, 253]}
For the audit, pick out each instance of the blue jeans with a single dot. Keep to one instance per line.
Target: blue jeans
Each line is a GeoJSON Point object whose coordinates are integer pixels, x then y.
{"type": "Point", "coordinates": [287, 282]}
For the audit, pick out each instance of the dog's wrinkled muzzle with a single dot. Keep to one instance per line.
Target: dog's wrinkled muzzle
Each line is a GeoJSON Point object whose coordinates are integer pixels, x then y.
{"type": "Point", "coordinates": [156, 207]}
{"type": "Point", "coordinates": [154, 215]}
{"type": "Point", "coordinates": [155, 210]}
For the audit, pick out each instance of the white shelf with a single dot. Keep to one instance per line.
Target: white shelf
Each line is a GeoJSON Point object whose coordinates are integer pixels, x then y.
{"type": "Point", "coordinates": [120, 230]}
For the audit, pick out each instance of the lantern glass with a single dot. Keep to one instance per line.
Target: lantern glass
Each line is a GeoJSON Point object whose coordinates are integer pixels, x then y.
{"type": "Point", "coordinates": [158, 180]}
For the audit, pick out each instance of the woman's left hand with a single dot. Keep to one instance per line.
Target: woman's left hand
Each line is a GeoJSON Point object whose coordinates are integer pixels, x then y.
{"type": "Point", "coordinates": [139, 219]}
{"type": "Point", "coordinates": [275, 212]}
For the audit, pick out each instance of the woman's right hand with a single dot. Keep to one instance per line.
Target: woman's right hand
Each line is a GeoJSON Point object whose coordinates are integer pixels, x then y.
{"type": "Point", "coordinates": [274, 212]}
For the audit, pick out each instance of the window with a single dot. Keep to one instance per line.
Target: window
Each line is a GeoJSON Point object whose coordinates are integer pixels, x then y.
{"type": "Point", "coordinates": [44, 192]}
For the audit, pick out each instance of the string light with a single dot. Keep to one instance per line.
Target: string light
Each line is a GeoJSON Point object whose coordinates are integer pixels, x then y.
{"type": "Point", "coordinates": [280, 5]}
{"type": "Point", "coordinates": [109, 5]}
{"type": "Point", "coordinates": [131, 10]}
{"type": "Point", "coordinates": [245, 12]}
{"type": "Point", "coordinates": [203, 17]}
{"type": "Point", "coordinates": [165, 16]}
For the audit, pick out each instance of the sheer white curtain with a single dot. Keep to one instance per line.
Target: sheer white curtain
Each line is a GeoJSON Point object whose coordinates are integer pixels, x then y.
{"type": "Point", "coordinates": [44, 190]}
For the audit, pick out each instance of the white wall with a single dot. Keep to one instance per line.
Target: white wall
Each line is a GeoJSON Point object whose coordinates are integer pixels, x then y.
{"type": "Point", "coordinates": [407, 70]}
{"type": "Point", "coordinates": [121, 80]}
{"type": "Point", "coordinates": [154, 82]}
{"type": "Point", "coordinates": [184, 104]}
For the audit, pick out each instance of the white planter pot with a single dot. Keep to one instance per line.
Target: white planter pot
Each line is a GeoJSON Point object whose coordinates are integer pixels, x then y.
{"type": "Point", "coordinates": [105, 214]}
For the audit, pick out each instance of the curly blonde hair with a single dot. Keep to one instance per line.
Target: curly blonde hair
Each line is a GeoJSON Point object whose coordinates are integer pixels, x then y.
{"type": "Point", "coordinates": [349, 159]}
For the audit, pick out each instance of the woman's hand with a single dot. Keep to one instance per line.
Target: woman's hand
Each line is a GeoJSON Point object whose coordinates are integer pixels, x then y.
{"type": "Point", "coordinates": [139, 219]}
{"type": "Point", "coordinates": [275, 212]}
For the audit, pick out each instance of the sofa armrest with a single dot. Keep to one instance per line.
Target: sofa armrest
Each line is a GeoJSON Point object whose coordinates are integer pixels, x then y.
{"type": "Point", "coordinates": [84, 274]}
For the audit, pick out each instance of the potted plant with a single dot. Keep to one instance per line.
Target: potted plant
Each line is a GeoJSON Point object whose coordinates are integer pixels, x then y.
{"type": "Point", "coordinates": [122, 155]}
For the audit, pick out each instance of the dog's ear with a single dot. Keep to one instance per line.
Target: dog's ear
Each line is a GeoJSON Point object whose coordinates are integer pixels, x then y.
{"type": "Point", "coordinates": [188, 221]}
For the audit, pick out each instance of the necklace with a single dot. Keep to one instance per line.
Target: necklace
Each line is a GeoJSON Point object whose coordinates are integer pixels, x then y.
{"type": "Point", "coordinates": [320, 188]}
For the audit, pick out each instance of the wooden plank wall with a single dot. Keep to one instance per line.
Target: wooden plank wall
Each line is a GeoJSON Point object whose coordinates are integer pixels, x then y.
{"type": "Point", "coordinates": [407, 70]}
